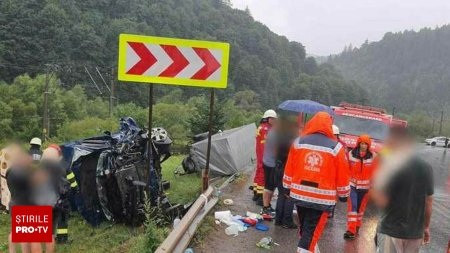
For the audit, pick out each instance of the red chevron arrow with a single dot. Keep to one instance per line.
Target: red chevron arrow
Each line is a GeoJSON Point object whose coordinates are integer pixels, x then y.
{"type": "Point", "coordinates": [147, 59]}
{"type": "Point", "coordinates": [211, 64]}
{"type": "Point", "coordinates": [179, 61]}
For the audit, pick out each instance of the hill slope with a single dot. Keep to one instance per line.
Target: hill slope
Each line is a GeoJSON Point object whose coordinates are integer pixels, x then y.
{"type": "Point", "coordinates": [73, 34]}
{"type": "Point", "coordinates": [407, 70]}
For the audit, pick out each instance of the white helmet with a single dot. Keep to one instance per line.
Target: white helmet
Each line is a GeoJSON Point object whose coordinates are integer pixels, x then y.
{"type": "Point", "coordinates": [36, 141]}
{"type": "Point", "coordinates": [336, 130]}
{"type": "Point", "coordinates": [270, 114]}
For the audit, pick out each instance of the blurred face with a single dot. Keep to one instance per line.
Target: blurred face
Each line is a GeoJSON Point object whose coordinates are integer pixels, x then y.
{"type": "Point", "coordinates": [272, 121]}
{"type": "Point", "coordinates": [18, 156]}
{"type": "Point", "coordinates": [394, 142]}
{"type": "Point", "coordinates": [294, 127]}
{"type": "Point", "coordinates": [363, 146]}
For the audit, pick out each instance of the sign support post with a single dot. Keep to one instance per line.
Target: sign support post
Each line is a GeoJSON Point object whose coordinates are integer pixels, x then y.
{"type": "Point", "coordinates": [149, 59]}
{"type": "Point", "coordinates": [150, 108]}
{"type": "Point", "coordinates": [205, 182]}
{"type": "Point", "coordinates": [150, 124]}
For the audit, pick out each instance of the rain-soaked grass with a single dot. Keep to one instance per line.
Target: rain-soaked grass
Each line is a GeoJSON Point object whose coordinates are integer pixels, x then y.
{"type": "Point", "coordinates": [110, 237]}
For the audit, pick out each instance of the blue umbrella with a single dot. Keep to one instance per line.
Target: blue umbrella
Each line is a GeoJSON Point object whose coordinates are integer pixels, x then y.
{"type": "Point", "coordinates": [304, 106]}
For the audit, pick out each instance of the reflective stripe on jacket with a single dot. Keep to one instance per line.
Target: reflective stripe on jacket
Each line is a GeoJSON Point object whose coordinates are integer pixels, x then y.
{"type": "Point", "coordinates": [317, 169]}
{"type": "Point", "coordinates": [362, 170]}
{"type": "Point", "coordinates": [261, 135]}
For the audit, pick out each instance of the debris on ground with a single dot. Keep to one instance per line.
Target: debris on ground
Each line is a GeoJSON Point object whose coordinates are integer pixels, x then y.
{"type": "Point", "coordinates": [265, 243]}
{"type": "Point", "coordinates": [267, 217]}
{"type": "Point", "coordinates": [235, 225]}
{"type": "Point", "coordinates": [228, 202]}
{"type": "Point", "coordinates": [232, 230]}
{"type": "Point", "coordinates": [189, 250]}
{"type": "Point", "coordinates": [250, 221]}
{"type": "Point", "coordinates": [254, 216]}
{"type": "Point", "coordinates": [261, 227]}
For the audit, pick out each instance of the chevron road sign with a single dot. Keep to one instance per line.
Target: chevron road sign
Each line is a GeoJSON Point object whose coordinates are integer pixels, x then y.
{"type": "Point", "coordinates": [173, 61]}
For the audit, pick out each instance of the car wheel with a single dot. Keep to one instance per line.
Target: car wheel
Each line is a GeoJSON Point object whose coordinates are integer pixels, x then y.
{"type": "Point", "coordinates": [433, 144]}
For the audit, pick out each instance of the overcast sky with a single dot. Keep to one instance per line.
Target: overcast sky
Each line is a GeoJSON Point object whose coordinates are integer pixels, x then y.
{"type": "Point", "coordinates": [325, 26]}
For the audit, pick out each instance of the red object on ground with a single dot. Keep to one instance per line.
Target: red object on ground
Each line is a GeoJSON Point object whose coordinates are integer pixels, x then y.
{"type": "Point", "coordinates": [267, 217]}
{"type": "Point", "coordinates": [250, 221]}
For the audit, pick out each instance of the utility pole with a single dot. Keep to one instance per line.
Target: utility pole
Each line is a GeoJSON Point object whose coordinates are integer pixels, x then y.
{"type": "Point", "coordinates": [111, 94]}
{"type": "Point", "coordinates": [393, 111]}
{"type": "Point", "coordinates": [45, 123]}
{"type": "Point", "coordinates": [49, 71]}
{"type": "Point", "coordinates": [440, 124]}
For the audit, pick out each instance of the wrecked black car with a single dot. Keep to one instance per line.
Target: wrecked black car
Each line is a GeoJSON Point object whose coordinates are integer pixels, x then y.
{"type": "Point", "coordinates": [119, 173]}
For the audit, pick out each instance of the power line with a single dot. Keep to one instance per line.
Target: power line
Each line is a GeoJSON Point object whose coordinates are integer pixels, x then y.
{"type": "Point", "coordinates": [87, 71]}
{"type": "Point", "coordinates": [102, 79]}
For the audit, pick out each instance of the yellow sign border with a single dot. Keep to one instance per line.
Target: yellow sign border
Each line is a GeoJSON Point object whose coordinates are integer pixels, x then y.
{"type": "Point", "coordinates": [225, 47]}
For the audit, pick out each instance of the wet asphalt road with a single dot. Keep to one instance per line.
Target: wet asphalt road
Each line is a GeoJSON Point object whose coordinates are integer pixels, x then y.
{"type": "Point", "coordinates": [332, 240]}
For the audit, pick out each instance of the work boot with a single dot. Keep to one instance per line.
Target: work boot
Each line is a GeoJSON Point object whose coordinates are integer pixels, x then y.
{"type": "Point", "coordinates": [255, 196]}
{"type": "Point", "coordinates": [268, 211]}
{"type": "Point", "coordinates": [61, 239]}
{"type": "Point", "coordinates": [349, 236]}
{"type": "Point", "coordinates": [289, 226]}
{"type": "Point", "coordinates": [272, 211]}
{"type": "Point", "coordinates": [259, 200]}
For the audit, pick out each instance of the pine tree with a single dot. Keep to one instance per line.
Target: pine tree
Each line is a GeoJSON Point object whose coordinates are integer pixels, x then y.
{"type": "Point", "coordinates": [199, 120]}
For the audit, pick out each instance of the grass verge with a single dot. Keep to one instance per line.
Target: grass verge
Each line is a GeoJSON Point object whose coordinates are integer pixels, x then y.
{"type": "Point", "coordinates": [109, 237]}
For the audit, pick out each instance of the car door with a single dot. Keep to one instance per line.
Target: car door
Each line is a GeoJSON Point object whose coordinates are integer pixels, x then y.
{"type": "Point", "coordinates": [440, 141]}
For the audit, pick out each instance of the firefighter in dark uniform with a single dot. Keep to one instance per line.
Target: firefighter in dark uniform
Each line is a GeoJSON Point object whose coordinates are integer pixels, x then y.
{"type": "Point", "coordinates": [35, 149]}
{"type": "Point", "coordinates": [65, 184]}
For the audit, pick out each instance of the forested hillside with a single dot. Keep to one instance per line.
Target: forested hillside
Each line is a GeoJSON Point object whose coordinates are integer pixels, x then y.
{"type": "Point", "coordinates": [72, 34]}
{"type": "Point", "coordinates": [407, 70]}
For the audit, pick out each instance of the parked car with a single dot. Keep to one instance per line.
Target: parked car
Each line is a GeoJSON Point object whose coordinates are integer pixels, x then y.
{"type": "Point", "coordinates": [438, 141]}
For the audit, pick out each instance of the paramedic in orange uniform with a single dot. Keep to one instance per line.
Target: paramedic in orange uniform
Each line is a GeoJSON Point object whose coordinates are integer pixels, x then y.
{"type": "Point", "coordinates": [363, 162]}
{"type": "Point", "coordinates": [316, 173]}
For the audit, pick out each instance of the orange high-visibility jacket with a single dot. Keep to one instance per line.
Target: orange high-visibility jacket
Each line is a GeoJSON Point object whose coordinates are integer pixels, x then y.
{"type": "Point", "coordinates": [362, 168]}
{"type": "Point", "coordinates": [317, 169]}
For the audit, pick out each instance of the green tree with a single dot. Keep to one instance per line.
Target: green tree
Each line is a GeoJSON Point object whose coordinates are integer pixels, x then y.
{"type": "Point", "coordinates": [199, 119]}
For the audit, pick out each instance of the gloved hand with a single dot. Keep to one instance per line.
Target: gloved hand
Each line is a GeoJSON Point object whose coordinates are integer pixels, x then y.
{"type": "Point", "coordinates": [343, 199]}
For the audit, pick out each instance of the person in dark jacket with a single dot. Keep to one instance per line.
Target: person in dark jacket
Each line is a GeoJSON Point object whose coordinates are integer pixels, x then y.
{"type": "Point", "coordinates": [35, 149]}
{"type": "Point", "coordinates": [285, 135]}
{"type": "Point", "coordinates": [403, 190]}
{"type": "Point", "coordinates": [63, 181]}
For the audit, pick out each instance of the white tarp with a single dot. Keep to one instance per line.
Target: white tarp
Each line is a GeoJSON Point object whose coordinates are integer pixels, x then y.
{"type": "Point", "coordinates": [231, 151]}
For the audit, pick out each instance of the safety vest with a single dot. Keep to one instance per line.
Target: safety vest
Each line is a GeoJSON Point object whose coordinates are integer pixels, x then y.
{"type": "Point", "coordinates": [362, 170]}
{"type": "Point", "coordinates": [317, 171]}
{"type": "Point", "coordinates": [261, 135]}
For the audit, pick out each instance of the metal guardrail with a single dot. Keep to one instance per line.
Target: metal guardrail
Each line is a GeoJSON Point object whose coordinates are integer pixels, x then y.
{"type": "Point", "coordinates": [180, 237]}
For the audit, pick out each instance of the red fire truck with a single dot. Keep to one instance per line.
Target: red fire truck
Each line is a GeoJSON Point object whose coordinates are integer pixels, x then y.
{"type": "Point", "coordinates": [354, 120]}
